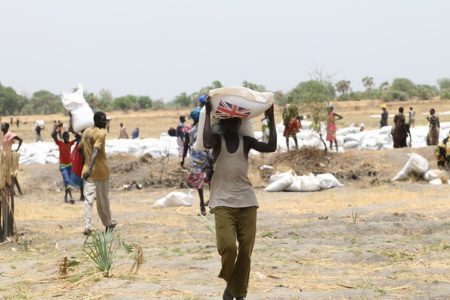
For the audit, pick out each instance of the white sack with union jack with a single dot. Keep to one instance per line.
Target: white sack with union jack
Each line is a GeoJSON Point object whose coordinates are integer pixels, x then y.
{"type": "Point", "coordinates": [239, 102]}
{"type": "Point", "coordinates": [246, 129]}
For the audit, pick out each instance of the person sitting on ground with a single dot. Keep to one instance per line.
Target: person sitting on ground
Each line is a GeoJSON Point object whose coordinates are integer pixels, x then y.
{"type": "Point", "coordinates": [232, 198]}
{"type": "Point", "coordinates": [135, 133]}
{"type": "Point", "coordinates": [123, 134]}
{"type": "Point", "coordinates": [65, 164]}
{"type": "Point", "coordinates": [9, 137]}
{"type": "Point", "coordinates": [201, 161]}
{"type": "Point", "coordinates": [96, 173]}
{"type": "Point", "coordinates": [331, 126]}
{"type": "Point", "coordinates": [433, 129]}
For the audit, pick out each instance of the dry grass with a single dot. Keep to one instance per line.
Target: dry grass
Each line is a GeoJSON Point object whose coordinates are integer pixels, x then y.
{"type": "Point", "coordinates": [153, 123]}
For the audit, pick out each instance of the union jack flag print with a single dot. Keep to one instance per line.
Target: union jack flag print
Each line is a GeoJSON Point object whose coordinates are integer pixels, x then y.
{"type": "Point", "coordinates": [227, 110]}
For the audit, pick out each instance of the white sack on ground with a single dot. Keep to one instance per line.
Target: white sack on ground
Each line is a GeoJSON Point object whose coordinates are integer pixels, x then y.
{"type": "Point", "coordinates": [307, 183]}
{"type": "Point", "coordinates": [416, 164]}
{"type": "Point", "coordinates": [281, 184]}
{"type": "Point", "coordinates": [431, 175]}
{"type": "Point", "coordinates": [279, 175]}
{"type": "Point", "coordinates": [437, 181]}
{"type": "Point", "coordinates": [174, 199]}
{"type": "Point", "coordinates": [328, 181]}
{"type": "Point", "coordinates": [82, 114]}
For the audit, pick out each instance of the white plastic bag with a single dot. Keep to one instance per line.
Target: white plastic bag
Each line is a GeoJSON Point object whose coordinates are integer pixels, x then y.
{"type": "Point", "coordinates": [280, 184]}
{"type": "Point", "coordinates": [416, 164]}
{"type": "Point", "coordinates": [82, 114]}
{"type": "Point", "coordinates": [241, 102]}
{"type": "Point", "coordinates": [351, 144]}
{"type": "Point", "coordinates": [174, 199]}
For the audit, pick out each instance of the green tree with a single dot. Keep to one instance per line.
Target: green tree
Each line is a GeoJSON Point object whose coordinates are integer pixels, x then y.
{"type": "Point", "coordinates": [384, 86]}
{"type": "Point", "coordinates": [444, 84]}
{"type": "Point", "coordinates": [125, 103]}
{"type": "Point", "coordinates": [105, 100]}
{"type": "Point", "coordinates": [182, 100]}
{"type": "Point", "coordinates": [403, 85]}
{"type": "Point", "coordinates": [10, 102]}
{"type": "Point", "coordinates": [43, 102]}
{"type": "Point", "coordinates": [368, 82]}
{"type": "Point", "coordinates": [144, 102]}
{"type": "Point", "coordinates": [254, 86]}
{"type": "Point", "coordinates": [343, 86]}
{"type": "Point", "coordinates": [216, 84]}
{"type": "Point", "coordinates": [425, 91]}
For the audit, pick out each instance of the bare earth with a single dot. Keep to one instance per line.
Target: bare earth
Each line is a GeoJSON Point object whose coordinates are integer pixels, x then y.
{"type": "Point", "coordinates": [369, 239]}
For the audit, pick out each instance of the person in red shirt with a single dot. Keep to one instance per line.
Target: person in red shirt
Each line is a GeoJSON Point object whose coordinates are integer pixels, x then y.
{"type": "Point", "coordinates": [77, 160]}
{"type": "Point", "coordinates": [65, 164]}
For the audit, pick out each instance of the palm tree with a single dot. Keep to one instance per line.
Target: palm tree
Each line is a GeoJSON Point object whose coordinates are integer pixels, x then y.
{"type": "Point", "coordinates": [343, 86]}
{"type": "Point", "coordinates": [368, 82]}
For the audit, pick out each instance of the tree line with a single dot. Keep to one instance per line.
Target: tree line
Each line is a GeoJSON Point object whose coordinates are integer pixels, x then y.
{"type": "Point", "coordinates": [317, 90]}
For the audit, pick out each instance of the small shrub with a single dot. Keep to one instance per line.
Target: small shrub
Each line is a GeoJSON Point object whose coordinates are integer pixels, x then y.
{"type": "Point", "coordinates": [393, 95]}
{"type": "Point", "coordinates": [445, 94]}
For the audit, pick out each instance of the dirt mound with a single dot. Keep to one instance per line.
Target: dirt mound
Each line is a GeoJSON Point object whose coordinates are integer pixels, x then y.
{"type": "Point", "coordinates": [364, 168]}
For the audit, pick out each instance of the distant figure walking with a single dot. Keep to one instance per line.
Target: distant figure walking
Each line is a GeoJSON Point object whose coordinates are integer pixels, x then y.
{"type": "Point", "coordinates": [123, 134]}
{"type": "Point", "coordinates": [411, 118]}
{"type": "Point", "coordinates": [37, 131]}
{"type": "Point", "coordinates": [433, 129]}
{"type": "Point", "coordinates": [384, 116]}
{"type": "Point", "coordinates": [331, 126]}
{"type": "Point", "coordinates": [182, 130]}
{"type": "Point", "coordinates": [400, 130]}
{"type": "Point", "coordinates": [291, 124]}
{"type": "Point", "coordinates": [65, 164]}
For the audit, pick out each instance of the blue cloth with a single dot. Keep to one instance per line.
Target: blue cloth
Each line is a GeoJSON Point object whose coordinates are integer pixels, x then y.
{"type": "Point", "coordinates": [195, 114]}
{"type": "Point", "coordinates": [135, 133]}
{"type": "Point", "coordinates": [76, 180]}
{"type": "Point", "coordinates": [202, 99]}
{"type": "Point", "coordinates": [65, 172]}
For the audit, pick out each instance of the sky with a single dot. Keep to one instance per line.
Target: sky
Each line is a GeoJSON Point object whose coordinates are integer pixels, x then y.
{"type": "Point", "coordinates": [162, 48]}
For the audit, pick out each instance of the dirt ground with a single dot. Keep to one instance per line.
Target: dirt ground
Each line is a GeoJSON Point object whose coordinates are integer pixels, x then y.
{"type": "Point", "coordinates": [370, 239]}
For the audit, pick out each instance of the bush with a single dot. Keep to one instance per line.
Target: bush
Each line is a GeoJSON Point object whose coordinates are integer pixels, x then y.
{"type": "Point", "coordinates": [445, 94]}
{"type": "Point", "coordinates": [426, 92]}
{"type": "Point", "coordinates": [403, 85]}
{"type": "Point", "coordinates": [393, 95]}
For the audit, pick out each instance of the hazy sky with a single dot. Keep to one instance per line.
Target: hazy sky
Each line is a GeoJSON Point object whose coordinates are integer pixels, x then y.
{"type": "Point", "coordinates": [162, 48]}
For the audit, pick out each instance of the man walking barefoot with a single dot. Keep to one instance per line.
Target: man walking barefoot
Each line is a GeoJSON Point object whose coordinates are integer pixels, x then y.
{"type": "Point", "coordinates": [96, 173]}
{"type": "Point", "coordinates": [233, 200]}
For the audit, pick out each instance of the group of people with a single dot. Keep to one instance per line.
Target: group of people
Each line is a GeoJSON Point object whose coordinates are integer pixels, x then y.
{"type": "Point", "coordinates": [402, 125]}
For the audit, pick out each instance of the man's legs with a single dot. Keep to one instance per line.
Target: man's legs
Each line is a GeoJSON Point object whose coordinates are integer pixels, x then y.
{"type": "Point", "coordinates": [246, 231]}
{"type": "Point", "coordinates": [226, 239]}
{"type": "Point", "coordinates": [89, 196]}
{"type": "Point", "coordinates": [104, 212]}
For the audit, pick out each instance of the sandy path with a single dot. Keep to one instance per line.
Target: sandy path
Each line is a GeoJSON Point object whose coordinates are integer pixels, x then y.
{"type": "Point", "coordinates": [308, 246]}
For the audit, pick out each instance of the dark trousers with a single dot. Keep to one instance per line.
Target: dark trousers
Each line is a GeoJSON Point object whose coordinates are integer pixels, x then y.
{"type": "Point", "coordinates": [235, 224]}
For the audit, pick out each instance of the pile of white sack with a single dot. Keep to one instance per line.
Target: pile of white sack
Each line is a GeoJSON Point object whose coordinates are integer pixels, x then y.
{"type": "Point", "coordinates": [48, 153]}
{"type": "Point", "coordinates": [352, 138]}
{"type": "Point", "coordinates": [290, 182]}
{"type": "Point", "coordinates": [418, 165]}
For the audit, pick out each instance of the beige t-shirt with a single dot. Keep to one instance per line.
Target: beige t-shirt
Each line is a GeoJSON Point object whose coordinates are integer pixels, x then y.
{"type": "Point", "coordinates": [95, 137]}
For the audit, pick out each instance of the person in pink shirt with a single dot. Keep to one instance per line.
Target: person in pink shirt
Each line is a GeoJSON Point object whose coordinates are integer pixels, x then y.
{"type": "Point", "coordinates": [9, 138]}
